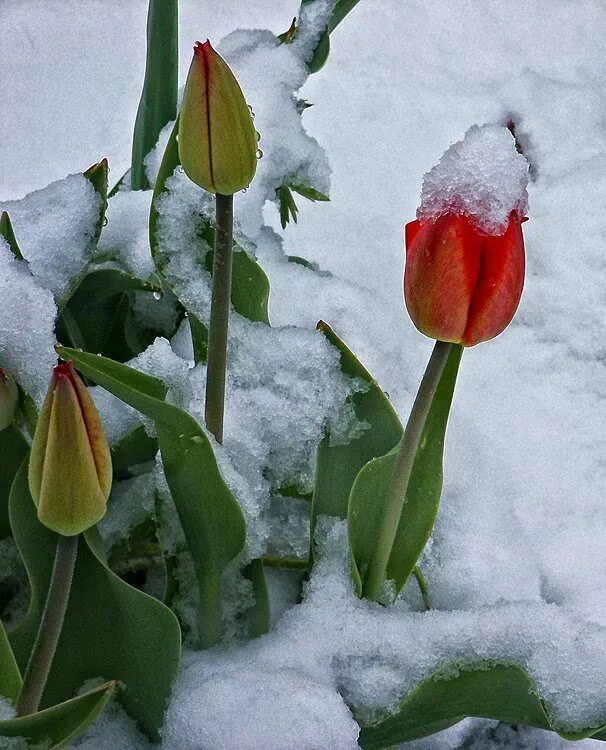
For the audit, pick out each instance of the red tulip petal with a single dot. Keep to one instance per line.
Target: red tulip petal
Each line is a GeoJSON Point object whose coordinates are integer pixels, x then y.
{"type": "Point", "coordinates": [442, 267]}
{"type": "Point", "coordinates": [500, 283]}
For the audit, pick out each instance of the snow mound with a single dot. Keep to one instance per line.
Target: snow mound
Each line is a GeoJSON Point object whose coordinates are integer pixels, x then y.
{"type": "Point", "coordinates": [483, 176]}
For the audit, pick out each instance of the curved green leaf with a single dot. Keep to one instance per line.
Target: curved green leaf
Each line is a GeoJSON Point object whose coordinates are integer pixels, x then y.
{"type": "Point", "coordinates": [341, 9]}
{"type": "Point", "coordinates": [211, 518]}
{"type": "Point", "coordinates": [338, 465]}
{"type": "Point", "coordinates": [98, 176]}
{"type": "Point", "coordinates": [13, 448]}
{"type": "Point", "coordinates": [98, 316]}
{"type": "Point", "coordinates": [368, 494]}
{"type": "Point", "coordinates": [158, 104]}
{"type": "Point", "coordinates": [6, 231]}
{"type": "Point", "coordinates": [61, 724]}
{"type": "Point", "coordinates": [10, 676]}
{"type": "Point", "coordinates": [250, 285]}
{"type": "Point", "coordinates": [485, 690]}
{"type": "Point", "coordinates": [111, 629]}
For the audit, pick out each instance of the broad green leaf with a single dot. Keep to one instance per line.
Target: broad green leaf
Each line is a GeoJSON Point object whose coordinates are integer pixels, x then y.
{"type": "Point", "coordinates": [111, 629]}
{"type": "Point", "coordinates": [485, 690]}
{"type": "Point", "coordinates": [368, 494]}
{"type": "Point", "coordinates": [13, 448]}
{"type": "Point", "coordinates": [98, 176]}
{"type": "Point", "coordinates": [61, 724]}
{"type": "Point", "coordinates": [250, 285]}
{"type": "Point", "coordinates": [338, 465]}
{"type": "Point", "coordinates": [6, 231]}
{"type": "Point", "coordinates": [136, 447]}
{"type": "Point", "coordinates": [98, 316]}
{"type": "Point", "coordinates": [310, 193]}
{"type": "Point", "coordinates": [211, 518]}
{"type": "Point", "coordinates": [158, 104]}
{"type": "Point", "coordinates": [10, 677]}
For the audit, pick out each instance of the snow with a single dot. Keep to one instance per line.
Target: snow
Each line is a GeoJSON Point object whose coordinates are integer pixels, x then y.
{"type": "Point", "coordinates": [6, 710]}
{"type": "Point", "coordinates": [483, 177]}
{"type": "Point", "coordinates": [26, 326]}
{"type": "Point", "coordinates": [55, 228]}
{"type": "Point", "coordinates": [516, 564]}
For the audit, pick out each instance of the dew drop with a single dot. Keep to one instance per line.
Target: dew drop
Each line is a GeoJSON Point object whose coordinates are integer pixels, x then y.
{"type": "Point", "coordinates": [257, 136]}
{"type": "Point", "coordinates": [259, 154]}
{"type": "Point", "coordinates": [157, 295]}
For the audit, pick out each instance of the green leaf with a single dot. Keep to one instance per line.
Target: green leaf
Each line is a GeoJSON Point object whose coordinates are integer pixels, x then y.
{"type": "Point", "coordinates": [211, 518]}
{"type": "Point", "coordinates": [250, 285]}
{"type": "Point", "coordinates": [288, 207]}
{"type": "Point", "coordinates": [98, 176]}
{"type": "Point", "coordinates": [111, 629]}
{"type": "Point", "coordinates": [13, 448]}
{"type": "Point", "coordinates": [136, 447]}
{"type": "Point", "coordinates": [61, 724]}
{"type": "Point", "coordinates": [338, 465]}
{"type": "Point", "coordinates": [259, 616]}
{"type": "Point", "coordinates": [98, 316]}
{"type": "Point", "coordinates": [310, 193]}
{"type": "Point", "coordinates": [368, 494]}
{"type": "Point", "coordinates": [6, 231]}
{"type": "Point", "coordinates": [158, 104]}
{"type": "Point", "coordinates": [10, 677]}
{"type": "Point", "coordinates": [341, 9]}
{"type": "Point", "coordinates": [484, 690]}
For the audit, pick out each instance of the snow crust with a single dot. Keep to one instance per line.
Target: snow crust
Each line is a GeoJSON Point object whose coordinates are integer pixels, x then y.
{"type": "Point", "coordinates": [482, 176]}
{"type": "Point", "coordinates": [27, 325]}
{"type": "Point", "coordinates": [54, 227]}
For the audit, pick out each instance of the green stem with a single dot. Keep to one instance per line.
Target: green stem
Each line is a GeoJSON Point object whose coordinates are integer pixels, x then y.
{"type": "Point", "coordinates": [418, 574]}
{"type": "Point", "coordinates": [41, 659]}
{"type": "Point", "coordinates": [292, 563]}
{"type": "Point", "coordinates": [396, 492]}
{"type": "Point", "coordinates": [210, 611]}
{"type": "Point", "coordinates": [219, 315]}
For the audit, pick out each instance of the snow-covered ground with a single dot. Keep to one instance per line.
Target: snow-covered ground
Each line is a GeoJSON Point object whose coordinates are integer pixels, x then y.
{"type": "Point", "coordinates": [519, 543]}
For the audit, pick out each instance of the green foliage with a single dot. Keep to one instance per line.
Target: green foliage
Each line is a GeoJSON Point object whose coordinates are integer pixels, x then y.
{"type": "Point", "coordinates": [59, 726]}
{"type": "Point", "coordinates": [211, 518]}
{"type": "Point", "coordinates": [419, 512]}
{"type": "Point", "coordinates": [6, 231]}
{"type": "Point", "coordinates": [341, 9]}
{"type": "Point", "coordinates": [484, 689]}
{"type": "Point", "coordinates": [98, 176]}
{"type": "Point", "coordinates": [10, 676]}
{"type": "Point", "coordinates": [338, 465]}
{"type": "Point", "coordinates": [99, 318]}
{"type": "Point", "coordinates": [136, 447]}
{"type": "Point", "coordinates": [158, 104]}
{"type": "Point", "coordinates": [111, 629]}
{"type": "Point", "coordinates": [287, 205]}
{"type": "Point", "coordinates": [13, 448]}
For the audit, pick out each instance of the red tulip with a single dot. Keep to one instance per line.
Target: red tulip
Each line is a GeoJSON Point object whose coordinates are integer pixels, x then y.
{"type": "Point", "coordinates": [461, 284]}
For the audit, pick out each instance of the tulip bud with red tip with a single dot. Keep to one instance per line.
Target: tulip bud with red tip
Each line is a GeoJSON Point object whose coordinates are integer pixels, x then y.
{"type": "Point", "coordinates": [461, 284]}
{"type": "Point", "coordinates": [9, 398]}
{"type": "Point", "coordinates": [217, 137]}
{"type": "Point", "coordinates": [70, 470]}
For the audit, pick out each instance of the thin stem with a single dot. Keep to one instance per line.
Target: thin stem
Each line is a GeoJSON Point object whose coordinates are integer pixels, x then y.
{"type": "Point", "coordinates": [396, 492]}
{"type": "Point", "coordinates": [219, 316]}
{"type": "Point", "coordinates": [418, 574]}
{"type": "Point", "coordinates": [42, 656]}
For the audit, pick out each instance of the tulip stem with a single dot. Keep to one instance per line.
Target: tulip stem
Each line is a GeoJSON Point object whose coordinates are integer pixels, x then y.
{"type": "Point", "coordinates": [51, 624]}
{"type": "Point", "coordinates": [219, 315]}
{"type": "Point", "coordinates": [396, 492]}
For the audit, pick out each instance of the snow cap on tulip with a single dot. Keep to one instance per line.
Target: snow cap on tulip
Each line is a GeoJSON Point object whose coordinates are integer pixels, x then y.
{"type": "Point", "coordinates": [70, 470]}
{"type": "Point", "coordinates": [465, 256]}
{"type": "Point", "coordinates": [9, 397]}
{"type": "Point", "coordinates": [217, 137]}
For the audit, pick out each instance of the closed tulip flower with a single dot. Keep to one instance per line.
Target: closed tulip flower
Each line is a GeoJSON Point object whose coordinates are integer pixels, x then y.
{"type": "Point", "coordinates": [461, 284]}
{"type": "Point", "coordinates": [217, 137]}
{"type": "Point", "coordinates": [465, 257]}
{"type": "Point", "coordinates": [70, 471]}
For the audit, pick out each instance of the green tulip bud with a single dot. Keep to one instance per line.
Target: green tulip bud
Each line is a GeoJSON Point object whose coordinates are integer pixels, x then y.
{"type": "Point", "coordinates": [9, 398]}
{"type": "Point", "coordinates": [217, 137]}
{"type": "Point", "coordinates": [70, 470]}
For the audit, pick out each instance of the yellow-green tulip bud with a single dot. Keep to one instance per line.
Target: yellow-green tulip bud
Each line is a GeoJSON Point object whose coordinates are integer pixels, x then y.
{"type": "Point", "coordinates": [70, 470]}
{"type": "Point", "coordinates": [217, 137]}
{"type": "Point", "coordinates": [9, 398]}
